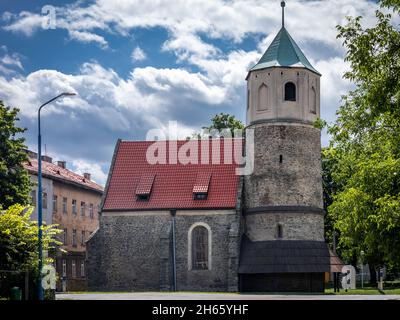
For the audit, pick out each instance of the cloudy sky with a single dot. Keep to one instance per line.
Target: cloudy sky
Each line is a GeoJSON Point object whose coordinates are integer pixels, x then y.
{"type": "Point", "coordinates": [137, 64]}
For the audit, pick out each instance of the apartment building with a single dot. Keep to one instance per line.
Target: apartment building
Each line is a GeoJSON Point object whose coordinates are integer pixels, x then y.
{"type": "Point", "coordinates": [72, 202]}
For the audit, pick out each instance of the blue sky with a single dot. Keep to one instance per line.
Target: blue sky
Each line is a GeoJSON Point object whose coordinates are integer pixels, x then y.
{"type": "Point", "coordinates": [137, 64]}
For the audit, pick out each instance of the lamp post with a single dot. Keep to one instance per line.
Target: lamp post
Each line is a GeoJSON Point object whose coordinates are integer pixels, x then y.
{"type": "Point", "coordinates": [40, 246]}
{"type": "Point", "coordinates": [362, 268]}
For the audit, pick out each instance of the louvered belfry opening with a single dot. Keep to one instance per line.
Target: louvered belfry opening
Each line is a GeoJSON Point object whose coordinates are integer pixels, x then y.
{"type": "Point", "coordinates": [200, 248]}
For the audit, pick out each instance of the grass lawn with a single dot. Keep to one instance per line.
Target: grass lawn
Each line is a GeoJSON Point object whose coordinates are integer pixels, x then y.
{"type": "Point", "coordinates": [365, 291]}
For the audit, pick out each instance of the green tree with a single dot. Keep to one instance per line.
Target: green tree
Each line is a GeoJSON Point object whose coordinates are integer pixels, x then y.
{"type": "Point", "coordinates": [19, 239]}
{"type": "Point", "coordinates": [330, 188]}
{"type": "Point", "coordinates": [220, 122]}
{"type": "Point", "coordinates": [14, 179]}
{"type": "Point", "coordinates": [366, 141]}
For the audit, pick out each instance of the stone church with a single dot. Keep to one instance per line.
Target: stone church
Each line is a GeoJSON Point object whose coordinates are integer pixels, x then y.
{"type": "Point", "coordinates": [200, 226]}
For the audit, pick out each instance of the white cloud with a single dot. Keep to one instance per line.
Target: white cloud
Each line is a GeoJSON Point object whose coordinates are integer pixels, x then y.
{"type": "Point", "coordinates": [87, 37]}
{"type": "Point", "coordinates": [188, 21]}
{"type": "Point", "coordinates": [186, 45]}
{"type": "Point", "coordinates": [25, 22]}
{"type": "Point", "coordinates": [10, 63]}
{"type": "Point", "coordinates": [149, 97]}
{"type": "Point", "coordinates": [82, 166]}
{"type": "Point", "coordinates": [333, 86]}
{"type": "Point", "coordinates": [138, 54]}
{"type": "Point", "coordinates": [13, 60]}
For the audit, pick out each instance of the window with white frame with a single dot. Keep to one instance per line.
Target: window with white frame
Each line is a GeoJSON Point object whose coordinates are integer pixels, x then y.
{"type": "Point", "coordinates": [91, 213]}
{"type": "Point", "coordinates": [83, 208]}
{"type": "Point", "coordinates": [33, 197]}
{"type": "Point", "coordinates": [74, 206]}
{"type": "Point", "coordinates": [74, 237]}
{"type": "Point", "coordinates": [65, 240]}
{"type": "Point", "coordinates": [64, 268]}
{"type": "Point", "coordinates": [73, 263]}
{"type": "Point", "coordinates": [44, 200]}
{"type": "Point", "coordinates": [64, 205]}
{"type": "Point", "coordinates": [55, 204]}
{"type": "Point", "coordinates": [82, 268]}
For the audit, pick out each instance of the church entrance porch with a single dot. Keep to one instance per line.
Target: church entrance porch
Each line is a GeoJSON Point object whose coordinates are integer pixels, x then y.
{"type": "Point", "coordinates": [283, 265]}
{"type": "Point", "coordinates": [282, 282]}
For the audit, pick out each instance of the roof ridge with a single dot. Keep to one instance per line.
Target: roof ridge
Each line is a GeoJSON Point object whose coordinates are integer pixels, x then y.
{"type": "Point", "coordinates": [52, 169]}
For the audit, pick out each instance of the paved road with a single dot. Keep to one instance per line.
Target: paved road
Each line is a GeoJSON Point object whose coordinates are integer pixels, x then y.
{"type": "Point", "coordinates": [213, 296]}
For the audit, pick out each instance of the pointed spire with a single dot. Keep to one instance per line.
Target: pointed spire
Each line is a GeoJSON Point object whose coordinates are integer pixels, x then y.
{"type": "Point", "coordinates": [283, 4]}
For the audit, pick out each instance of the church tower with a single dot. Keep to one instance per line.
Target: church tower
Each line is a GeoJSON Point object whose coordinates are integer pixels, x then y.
{"type": "Point", "coordinates": [283, 204]}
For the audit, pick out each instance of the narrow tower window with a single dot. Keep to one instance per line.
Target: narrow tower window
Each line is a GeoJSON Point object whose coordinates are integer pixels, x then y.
{"type": "Point", "coordinates": [262, 98]}
{"type": "Point", "coordinates": [313, 101]}
{"type": "Point", "coordinates": [279, 231]}
{"type": "Point", "coordinates": [290, 91]}
{"type": "Point", "coordinates": [280, 159]}
{"type": "Point", "coordinates": [248, 99]}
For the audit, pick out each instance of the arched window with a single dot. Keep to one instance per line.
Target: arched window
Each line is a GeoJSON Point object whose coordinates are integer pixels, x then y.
{"type": "Point", "coordinates": [290, 91]}
{"type": "Point", "coordinates": [262, 103]}
{"type": "Point", "coordinates": [199, 247]}
{"type": "Point", "coordinates": [313, 101]}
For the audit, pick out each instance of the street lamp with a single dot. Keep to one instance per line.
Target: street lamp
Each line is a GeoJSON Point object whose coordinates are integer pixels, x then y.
{"type": "Point", "coordinates": [40, 191]}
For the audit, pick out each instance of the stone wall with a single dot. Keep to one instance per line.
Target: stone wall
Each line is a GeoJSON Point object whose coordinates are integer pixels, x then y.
{"type": "Point", "coordinates": [287, 175]}
{"type": "Point", "coordinates": [287, 166]}
{"type": "Point", "coordinates": [295, 226]}
{"type": "Point", "coordinates": [133, 251]}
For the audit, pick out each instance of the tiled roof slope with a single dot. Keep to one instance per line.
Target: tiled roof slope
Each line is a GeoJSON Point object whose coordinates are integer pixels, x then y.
{"type": "Point", "coordinates": [173, 184]}
{"type": "Point", "coordinates": [283, 52]}
{"type": "Point", "coordinates": [53, 171]}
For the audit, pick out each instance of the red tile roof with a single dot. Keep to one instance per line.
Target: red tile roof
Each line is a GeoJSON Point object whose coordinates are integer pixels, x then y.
{"type": "Point", "coordinates": [53, 171]}
{"type": "Point", "coordinates": [173, 184]}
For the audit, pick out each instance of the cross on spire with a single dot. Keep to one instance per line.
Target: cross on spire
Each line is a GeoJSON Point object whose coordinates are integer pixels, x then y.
{"type": "Point", "coordinates": [283, 13]}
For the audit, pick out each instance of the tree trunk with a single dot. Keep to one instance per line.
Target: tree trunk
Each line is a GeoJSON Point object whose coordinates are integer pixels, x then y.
{"type": "Point", "coordinates": [372, 274]}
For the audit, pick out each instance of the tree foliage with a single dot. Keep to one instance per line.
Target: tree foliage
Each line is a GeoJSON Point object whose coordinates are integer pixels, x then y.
{"type": "Point", "coordinates": [14, 179]}
{"type": "Point", "coordinates": [19, 239]}
{"type": "Point", "coordinates": [225, 121]}
{"type": "Point", "coordinates": [219, 123]}
{"type": "Point", "coordinates": [365, 149]}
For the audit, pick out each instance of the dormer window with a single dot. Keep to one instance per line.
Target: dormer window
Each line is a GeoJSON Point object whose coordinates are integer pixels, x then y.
{"type": "Point", "coordinates": [144, 187]}
{"type": "Point", "coordinates": [142, 197]}
{"type": "Point", "coordinates": [200, 196]}
{"type": "Point", "coordinates": [200, 188]}
{"type": "Point", "coordinates": [290, 91]}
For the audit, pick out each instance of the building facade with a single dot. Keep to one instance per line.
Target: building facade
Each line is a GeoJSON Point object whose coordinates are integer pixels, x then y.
{"type": "Point", "coordinates": [166, 227]}
{"type": "Point", "coordinates": [72, 202]}
{"type": "Point", "coordinates": [201, 227]}
{"type": "Point", "coordinates": [283, 205]}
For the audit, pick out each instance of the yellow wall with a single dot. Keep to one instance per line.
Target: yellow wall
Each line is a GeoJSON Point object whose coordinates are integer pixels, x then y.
{"type": "Point", "coordinates": [72, 221]}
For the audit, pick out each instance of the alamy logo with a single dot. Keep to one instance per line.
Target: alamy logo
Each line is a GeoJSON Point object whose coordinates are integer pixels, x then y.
{"type": "Point", "coordinates": [49, 18]}
{"type": "Point", "coordinates": [48, 277]}
{"type": "Point", "coordinates": [197, 151]}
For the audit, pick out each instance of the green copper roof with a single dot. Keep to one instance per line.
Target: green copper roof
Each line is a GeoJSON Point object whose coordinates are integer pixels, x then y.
{"type": "Point", "coordinates": [283, 52]}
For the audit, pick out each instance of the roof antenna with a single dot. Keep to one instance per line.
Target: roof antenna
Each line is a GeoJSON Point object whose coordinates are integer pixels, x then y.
{"type": "Point", "coordinates": [283, 13]}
